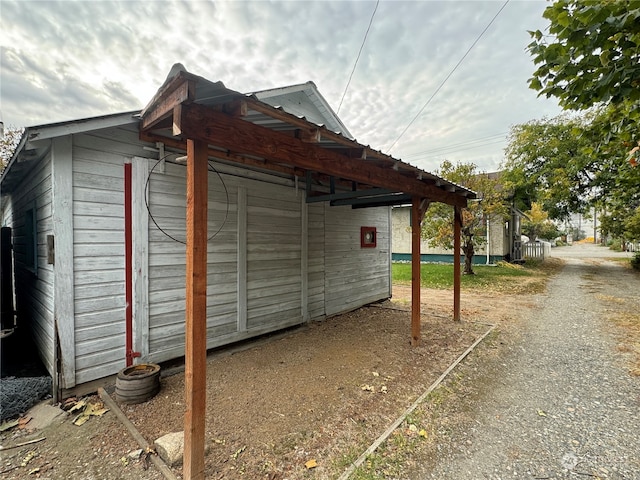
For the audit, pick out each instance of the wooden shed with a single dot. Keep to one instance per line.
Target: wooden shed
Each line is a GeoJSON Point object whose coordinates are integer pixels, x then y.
{"type": "Point", "coordinates": [297, 223]}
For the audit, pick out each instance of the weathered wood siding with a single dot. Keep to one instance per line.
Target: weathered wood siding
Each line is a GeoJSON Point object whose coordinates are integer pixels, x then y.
{"type": "Point", "coordinates": [274, 242]}
{"type": "Point", "coordinates": [276, 261]}
{"type": "Point", "coordinates": [98, 237]}
{"type": "Point", "coordinates": [254, 262]}
{"type": "Point", "coordinates": [315, 275]}
{"type": "Point", "coordinates": [167, 200]}
{"type": "Point", "coordinates": [34, 286]}
{"type": "Point", "coordinates": [355, 276]}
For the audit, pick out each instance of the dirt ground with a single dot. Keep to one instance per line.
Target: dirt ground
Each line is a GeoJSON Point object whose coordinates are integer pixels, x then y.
{"type": "Point", "coordinates": [322, 392]}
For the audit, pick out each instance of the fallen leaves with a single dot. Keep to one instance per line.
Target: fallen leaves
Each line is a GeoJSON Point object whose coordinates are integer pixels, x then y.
{"type": "Point", "coordinates": [89, 409]}
{"type": "Point", "coordinates": [21, 423]}
{"type": "Point", "coordinates": [28, 457]}
{"type": "Point", "coordinates": [237, 453]}
{"type": "Point", "coordinates": [311, 464]}
{"type": "Point", "coordinates": [371, 388]}
{"type": "Point", "coordinates": [8, 425]}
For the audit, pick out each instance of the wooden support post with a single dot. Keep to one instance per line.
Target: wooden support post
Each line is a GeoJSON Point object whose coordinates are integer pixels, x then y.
{"type": "Point", "coordinates": [196, 314]}
{"type": "Point", "coordinates": [416, 222]}
{"type": "Point", "coordinates": [457, 226]}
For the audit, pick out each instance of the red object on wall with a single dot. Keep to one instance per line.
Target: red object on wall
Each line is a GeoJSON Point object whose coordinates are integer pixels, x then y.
{"type": "Point", "coordinates": [128, 267]}
{"type": "Point", "coordinates": [368, 237]}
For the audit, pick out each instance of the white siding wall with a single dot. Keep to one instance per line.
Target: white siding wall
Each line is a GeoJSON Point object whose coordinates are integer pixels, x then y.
{"type": "Point", "coordinates": [316, 261]}
{"type": "Point", "coordinates": [355, 276]}
{"type": "Point", "coordinates": [401, 217]}
{"type": "Point", "coordinates": [401, 238]}
{"type": "Point", "coordinates": [98, 236]}
{"type": "Point", "coordinates": [274, 295]}
{"type": "Point", "coordinates": [167, 200]}
{"type": "Point", "coordinates": [34, 288]}
{"type": "Point", "coordinates": [254, 262]}
{"type": "Point", "coordinates": [256, 274]}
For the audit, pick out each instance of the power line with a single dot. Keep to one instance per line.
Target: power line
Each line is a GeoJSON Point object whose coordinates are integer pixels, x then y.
{"type": "Point", "coordinates": [454, 150]}
{"type": "Point", "coordinates": [447, 77]}
{"type": "Point", "coordinates": [358, 57]}
{"type": "Point", "coordinates": [455, 146]}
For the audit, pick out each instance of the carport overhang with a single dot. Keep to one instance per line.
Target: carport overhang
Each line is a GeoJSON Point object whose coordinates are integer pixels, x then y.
{"type": "Point", "coordinates": [208, 120]}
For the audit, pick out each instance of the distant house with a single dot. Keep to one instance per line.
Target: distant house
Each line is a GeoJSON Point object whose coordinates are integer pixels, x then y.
{"type": "Point", "coordinates": [502, 240]}
{"type": "Point", "coordinates": [96, 209]}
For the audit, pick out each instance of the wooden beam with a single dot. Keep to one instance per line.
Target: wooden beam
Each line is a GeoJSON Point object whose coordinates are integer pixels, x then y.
{"type": "Point", "coordinates": [309, 135]}
{"type": "Point", "coordinates": [224, 155]}
{"type": "Point", "coordinates": [245, 137]}
{"type": "Point", "coordinates": [416, 223]}
{"type": "Point", "coordinates": [370, 192]}
{"type": "Point", "coordinates": [424, 206]}
{"type": "Point", "coordinates": [196, 311]}
{"type": "Point", "coordinates": [236, 108]}
{"type": "Point", "coordinates": [381, 201]}
{"type": "Point", "coordinates": [63, 281]}
{"type": "Point", "coordinates": [179, 90]}
{"type": "Point", "coordinates": [457, 226]}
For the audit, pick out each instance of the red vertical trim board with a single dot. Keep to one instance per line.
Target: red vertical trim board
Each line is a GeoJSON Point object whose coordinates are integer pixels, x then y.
{"type": "Point", "coordinates": [128, 265]}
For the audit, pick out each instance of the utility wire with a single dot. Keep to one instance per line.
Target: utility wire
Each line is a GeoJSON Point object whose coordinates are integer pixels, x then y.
{"type": "Point", "coordinates": [358, 57]}
{"type": "Point", "coordinates": [460, 145]}
{"type": "Point", "coordinates": [447, 77]}
{"type": "Point", "coordinates": [459, 149]}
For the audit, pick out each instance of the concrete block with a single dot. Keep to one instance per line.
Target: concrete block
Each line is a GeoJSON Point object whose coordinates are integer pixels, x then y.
{"type": "Point", "coordinates": [43, 415]}
{"type": "Point", "coordinates": [170, 448]}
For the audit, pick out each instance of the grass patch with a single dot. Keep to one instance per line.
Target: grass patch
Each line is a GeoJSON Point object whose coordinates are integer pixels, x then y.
{"type": "Point", "coordinates": [629, 322]}
{"type": "Point", "coordinates": [504, 277]}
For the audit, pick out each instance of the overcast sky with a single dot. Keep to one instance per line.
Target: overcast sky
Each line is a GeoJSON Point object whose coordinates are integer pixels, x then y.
{"type": "Point", "coordinates": [67, 60]}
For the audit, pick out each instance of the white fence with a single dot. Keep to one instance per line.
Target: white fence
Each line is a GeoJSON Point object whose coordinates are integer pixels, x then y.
{"type": "Point", "coordinates": [537, 250]}
{"type": "Point", "coordinates": [633, 247]}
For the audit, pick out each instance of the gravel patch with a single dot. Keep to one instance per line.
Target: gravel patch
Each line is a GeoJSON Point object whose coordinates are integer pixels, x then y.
{"type": "Point", "coordinates": [561, 403]}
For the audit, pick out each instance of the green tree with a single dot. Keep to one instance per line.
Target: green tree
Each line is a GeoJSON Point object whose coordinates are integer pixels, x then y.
{"type": "Point", "coordinates": [632, 227]}
{"type": "Point", "coordinates": [560, 164]}
{"type": "Point", "coordinates": [591, 55]}
{"type": "Point", "coordinates": [8, 143]}
{"type": "Point", "coordinates": [591, 58]}
{"type": "Point", "coordinates": [547, 162]}
{"type": "Point", "coordinates": [437, 226]}
{"type": "Point", "coordinates": [537, 224]}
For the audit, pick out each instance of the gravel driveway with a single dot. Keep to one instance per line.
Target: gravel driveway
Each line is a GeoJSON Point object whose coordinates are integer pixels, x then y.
{"type": "Point", "coordinates": [561, 404]}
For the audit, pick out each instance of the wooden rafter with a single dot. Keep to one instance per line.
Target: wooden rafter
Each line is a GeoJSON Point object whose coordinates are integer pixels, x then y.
{"type": "Point", "coordinates": [224, 131]}
{"type": "Point", "coordinates": [177, 91]}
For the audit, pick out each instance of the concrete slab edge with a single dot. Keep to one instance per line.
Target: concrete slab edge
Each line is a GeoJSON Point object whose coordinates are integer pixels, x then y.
{"type": "Point", "coordinates": [385, 435]}
{"type": "Point", "coordinates": [155, 459]}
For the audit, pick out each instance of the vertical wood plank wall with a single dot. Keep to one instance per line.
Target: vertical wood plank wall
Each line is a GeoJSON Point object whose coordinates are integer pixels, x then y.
{"type": "Point", "coordinates": [34, 287]}
{"type": "Point", "coordinates": [315, 261]}
{"type": "Point", "coordinates": [62, 175]}
{"type": "Point", "coordinates": [355, 276]}
{"type": "Point", "coordinates": [98, 233]}
{"type": "Point", "coordinates": [140, 168]}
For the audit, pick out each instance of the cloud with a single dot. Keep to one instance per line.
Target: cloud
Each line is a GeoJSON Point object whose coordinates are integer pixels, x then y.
{"type": "Point", "coordinates": [65, 60]}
